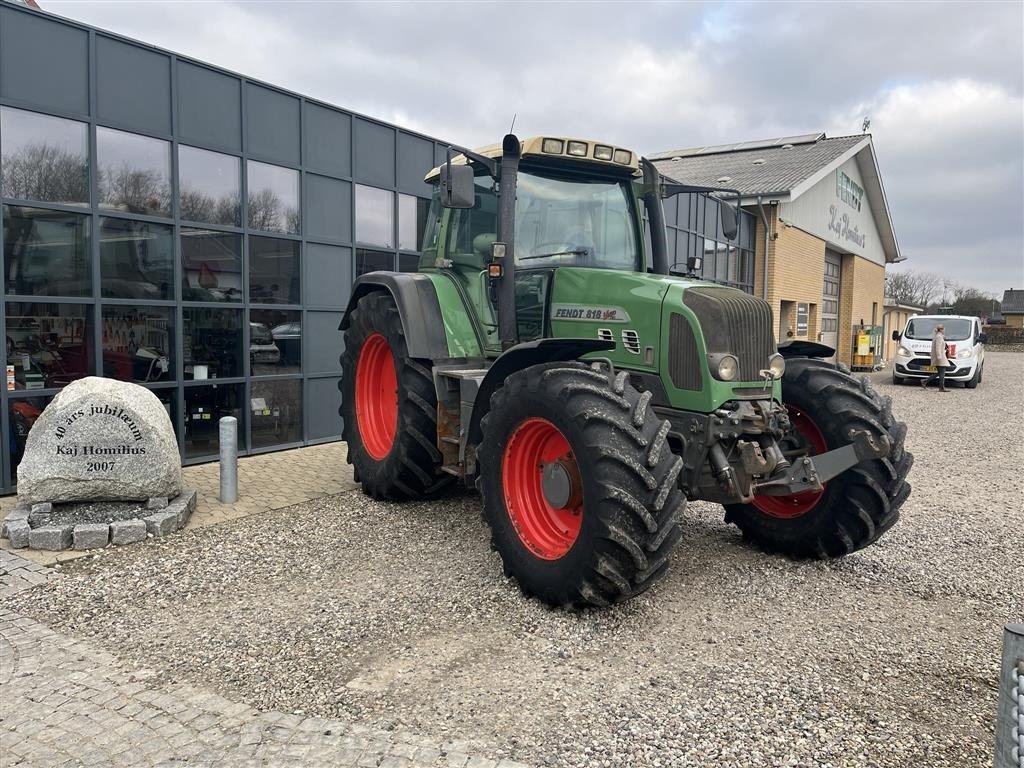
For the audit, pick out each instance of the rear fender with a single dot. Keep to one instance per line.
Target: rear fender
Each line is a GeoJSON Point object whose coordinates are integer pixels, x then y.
{"type": "Point", "coordinates": [790, 349]}
{"type": "Point", "coordinates": [418, 308]}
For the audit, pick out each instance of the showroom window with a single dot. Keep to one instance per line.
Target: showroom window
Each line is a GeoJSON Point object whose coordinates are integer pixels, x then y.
{"type": "Point", "coordinates": [276, 412]}
{"type": "Point", "coordinates": [136, 259]}
{"type": "Point", "coordinates": [273, 270]}
{"type": "Point", "coordinates": [44, 158]}
{"type": "Point", "coordinates": [48, 345]}
{"type": "Point", "coordinates": [273, 199]}
{"type": "Point", "coordinates": [372, 261]}
{"type": "Point", "coordinates": [208, 186]}
{"type": "Point", "coordinates": [211, 265]}
{"type": "Point", "coordinates": [138, 343]}
{"type": "Point", "coordinates": [46, 252]}
{"type": "Point", "coordinates": [412, 220]}
{"type": "Point", "coordinates": [375, 216]}
{"type": "Point", "coordinates": [212, 343]}
{"type": "Point", "coordinates": [133, 172]}
{"type": "Point", "coordinates": [204, 407]}
{"type": "Point", "coordinates": [275, 341]}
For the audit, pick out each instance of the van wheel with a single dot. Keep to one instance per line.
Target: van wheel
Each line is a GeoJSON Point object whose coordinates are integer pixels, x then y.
{"type": "Point", "coordinates": [975, 379]}
{"type": "Point", "coordinates": [897, 380]}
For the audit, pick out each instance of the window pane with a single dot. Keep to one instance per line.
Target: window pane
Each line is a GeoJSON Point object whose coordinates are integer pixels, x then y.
{"type": "Point", "coordinates": [137, 343]}
{"type": "Point", "coordinates": [407, 223]}
{"type": "Point", "coordinates": [408, 262]}
{"type": "Point", "coordinates": [44, 158]}
{"type": "Point", "coordinates": [23, 412]}
{"type": "Point", "coordinates": [133, 172]}
{"type": "Point", "coordinates": [375, 216]}
{"type": "Point", "coordinates": [49, 345]}
{"type": "Point", "coordinates": [273, 202]}
{"type": "Point", "coordinates": [208, 186]}
{"type": "Point", "coordinates": [211, 265]}
{"type": "Point", "coordinates": [212, 341]}
{"type": "Point", "coordinates": [276, 412]}
{"type": "Point", "coordinates": [204, 407]}
{"type": "Point", "coordinates": [46, 253]}
{"type": "Point", "coordinates": [371, 261]}
{"type": "Point", "coordinates": [275, 341]}
{"type": "Point", "coordinates": [273, 270]}
{"type": "Point", "coordinates": [136, 259]}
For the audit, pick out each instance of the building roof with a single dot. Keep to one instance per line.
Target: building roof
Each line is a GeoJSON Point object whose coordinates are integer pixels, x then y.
{"type": "Point", "coordinates": [1013, 302]}
{"type": "Point", "coordinates": [782, 169]}
{"type": "Point", "coordinates": [770, 167]}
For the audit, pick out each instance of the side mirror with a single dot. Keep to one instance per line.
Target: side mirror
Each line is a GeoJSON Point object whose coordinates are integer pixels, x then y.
{"type": "Point", "coordinates": [694, 263]}
{"type": "Point", "coordinates": [457, 186]}
{"type": "Point", "coordinates": [983, 338]}
{"type": "Point", "coordinates": [729, 221]}
{"type": "Point", "coordinates": [896, 335]}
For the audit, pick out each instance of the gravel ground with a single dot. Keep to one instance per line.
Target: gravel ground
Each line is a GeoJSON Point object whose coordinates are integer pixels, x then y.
{"type": "Point", "coordinates": [397, 615]}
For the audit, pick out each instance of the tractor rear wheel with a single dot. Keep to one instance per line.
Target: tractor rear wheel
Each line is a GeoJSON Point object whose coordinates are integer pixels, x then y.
{"type": "Point", "coordinates": [825, 402]}
{"type": "Point", "coordinates": [388, 406]}
{"type": "Point", "coordinates": [579, 485]}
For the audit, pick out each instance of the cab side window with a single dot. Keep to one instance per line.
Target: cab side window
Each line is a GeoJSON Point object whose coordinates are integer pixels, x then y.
{"type": "Point", "coordinates": [473, 230]}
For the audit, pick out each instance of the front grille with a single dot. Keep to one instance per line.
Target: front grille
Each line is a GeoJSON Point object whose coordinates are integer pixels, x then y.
{"type": "Point", "coordinates": [683, 361]}
{"type": "Point", "coordinates": [736, 323]}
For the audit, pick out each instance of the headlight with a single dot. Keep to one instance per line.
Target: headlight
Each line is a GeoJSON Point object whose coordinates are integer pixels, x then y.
{"type": "Point", "coordinates": [578, 148]}
{"type": "Point", "coordinates": [777, 365]}
{"type": "Point", "coordinates": [902, 351]}
{"type": "Point", "coordinates": [724, 367]}
{"type": "Point", "coordinates": [963, 354]}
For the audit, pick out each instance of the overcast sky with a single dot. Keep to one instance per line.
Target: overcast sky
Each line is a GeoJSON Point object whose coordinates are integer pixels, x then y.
{"type": "Point", "coordinates": [943, 84]}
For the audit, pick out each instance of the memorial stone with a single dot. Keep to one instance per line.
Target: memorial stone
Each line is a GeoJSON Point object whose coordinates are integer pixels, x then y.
{"type": "Point", "coordinates": [102, 440]}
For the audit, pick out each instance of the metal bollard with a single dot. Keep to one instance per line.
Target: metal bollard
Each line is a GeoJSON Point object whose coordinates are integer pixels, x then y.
{"type": "Point", "coordinates": [1010, 721]}
{"type": "Point", "coordinates": [228, 460]}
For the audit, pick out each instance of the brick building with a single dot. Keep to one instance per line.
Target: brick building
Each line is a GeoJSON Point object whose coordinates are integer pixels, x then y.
{"type": "Point", "coordinates": [823, 220]}
{"type": "Point", "coordinates": [1012, 308]}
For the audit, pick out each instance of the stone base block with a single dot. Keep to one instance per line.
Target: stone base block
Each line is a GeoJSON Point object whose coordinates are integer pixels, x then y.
{"type": "Point", "coordinates": [50, 537]}
{"type": "Point", "coordinates": [90, 535]}
{"type": "Point", "coordinates": [161, 523]}
{"type": "Point", "coordinates": [17, 532]}
{"type": "Point", "coordinates": [127, 531]}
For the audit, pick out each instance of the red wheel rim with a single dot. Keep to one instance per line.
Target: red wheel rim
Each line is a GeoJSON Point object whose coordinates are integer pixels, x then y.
{"type": "Point", "coordinates": [547, 532]}
{"type": "Point", "coordinates": [797, 504]}
{"type": "Point", "coordinates": [376, 396]}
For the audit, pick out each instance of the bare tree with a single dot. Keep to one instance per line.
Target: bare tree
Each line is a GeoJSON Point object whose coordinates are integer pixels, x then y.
{"type": "Point", "coordinates": [915, 289]}
{"type": "Point", "coordinates": [44, 172]}
{"type": "Point", "coordinates": [197, 206]}
{"type": "Point", "coordinates": [134, 190]}
{"type": "Point", "coordinates": [265, 210]}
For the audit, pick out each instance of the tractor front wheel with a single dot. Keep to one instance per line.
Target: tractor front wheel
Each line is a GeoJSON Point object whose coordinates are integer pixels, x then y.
{"type": "Point", "coordinates": [579, 485]}
{"type": "Point", "coordinates": [825, 403]}
{"type": "Point", "coordinates": [388, 406]}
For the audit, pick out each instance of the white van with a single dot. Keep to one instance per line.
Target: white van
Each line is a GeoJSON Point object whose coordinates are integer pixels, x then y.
{"type": "Point", "coordinates": [964, 339]}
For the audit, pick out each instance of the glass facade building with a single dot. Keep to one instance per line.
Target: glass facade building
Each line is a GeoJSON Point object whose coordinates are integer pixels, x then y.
{"type": "Point", "coordinates": [188, 229]}
{"type": "Point", "coordinates": [197, 232]}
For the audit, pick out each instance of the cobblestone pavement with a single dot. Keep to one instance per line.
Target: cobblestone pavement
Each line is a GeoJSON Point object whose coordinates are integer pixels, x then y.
{"type": "Point", "coordinates": [265, 482]}
{"type": "Point", "coordinates": [65, 703]}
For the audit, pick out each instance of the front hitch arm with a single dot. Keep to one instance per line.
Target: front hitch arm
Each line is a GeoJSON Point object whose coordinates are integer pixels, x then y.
{"type": "Point", "coordinates": [809, 473]}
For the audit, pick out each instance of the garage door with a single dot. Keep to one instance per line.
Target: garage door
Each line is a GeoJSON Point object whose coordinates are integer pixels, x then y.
{"type": "Point", "coordinates": [830, 300]}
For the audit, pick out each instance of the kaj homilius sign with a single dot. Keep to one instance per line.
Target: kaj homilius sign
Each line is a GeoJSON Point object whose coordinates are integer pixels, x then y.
{"type": "Point", "coordinates": [839, 221]}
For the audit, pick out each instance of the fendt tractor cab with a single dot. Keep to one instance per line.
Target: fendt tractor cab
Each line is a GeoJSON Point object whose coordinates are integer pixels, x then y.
{"type": "Point", "coordinates": [588, 388]}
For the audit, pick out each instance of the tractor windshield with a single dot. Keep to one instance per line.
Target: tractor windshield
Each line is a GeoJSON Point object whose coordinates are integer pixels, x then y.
{"type": "Point", "coordinates": [561, 222]}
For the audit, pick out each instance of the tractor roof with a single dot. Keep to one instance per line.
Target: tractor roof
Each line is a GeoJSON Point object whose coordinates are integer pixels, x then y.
{"type": "Point", "coordinates": [562, 148]}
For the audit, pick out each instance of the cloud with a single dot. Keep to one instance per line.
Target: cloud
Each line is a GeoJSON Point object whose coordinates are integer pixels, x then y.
{"type": "Point", "coordinates": [943, 85]}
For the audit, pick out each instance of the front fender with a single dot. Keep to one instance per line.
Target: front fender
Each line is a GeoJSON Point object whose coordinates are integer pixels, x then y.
{"type": "Point", "coordinates": [523, 356]}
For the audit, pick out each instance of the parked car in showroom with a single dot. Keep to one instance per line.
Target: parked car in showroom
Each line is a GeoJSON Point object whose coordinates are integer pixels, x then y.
{"type": "Point", "coordinates": [965, 349]}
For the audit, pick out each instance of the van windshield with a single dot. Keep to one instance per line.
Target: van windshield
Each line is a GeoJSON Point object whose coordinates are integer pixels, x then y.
{"type": "Point", "coordinates": [924, 328]}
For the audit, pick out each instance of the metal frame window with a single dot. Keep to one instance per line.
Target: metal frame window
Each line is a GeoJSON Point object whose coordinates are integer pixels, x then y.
{"type": "Point", "coordinates": [694, 229]}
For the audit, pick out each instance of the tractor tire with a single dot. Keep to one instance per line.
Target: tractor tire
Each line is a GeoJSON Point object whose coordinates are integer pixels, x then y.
{"type": "Point", "coordinates": [388, 406]}
{"type": "Point", "coordinates": [610, 533]}
{"type": "Point", "coordinates": [854, 509]}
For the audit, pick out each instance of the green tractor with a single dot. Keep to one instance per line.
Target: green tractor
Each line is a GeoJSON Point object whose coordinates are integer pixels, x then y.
{"type": "Point", "coordinates": [588, 391]}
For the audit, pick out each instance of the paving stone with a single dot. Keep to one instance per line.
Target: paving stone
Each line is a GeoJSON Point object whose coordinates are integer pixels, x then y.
{"type": "Point", "coordinates": [161, 524]}
{"type": "Point", "coordinates": [17, 532]}
{"type": "Point", "coordinates": [127, 531]}
{"type": "Point", "coordinates": [50, 537]}
{"type": "Point", "coordinates": [91, 535]}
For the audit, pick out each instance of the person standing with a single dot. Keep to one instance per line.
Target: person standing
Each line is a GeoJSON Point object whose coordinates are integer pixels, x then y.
{"type": "Point", "coordinates": [939, 359]}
